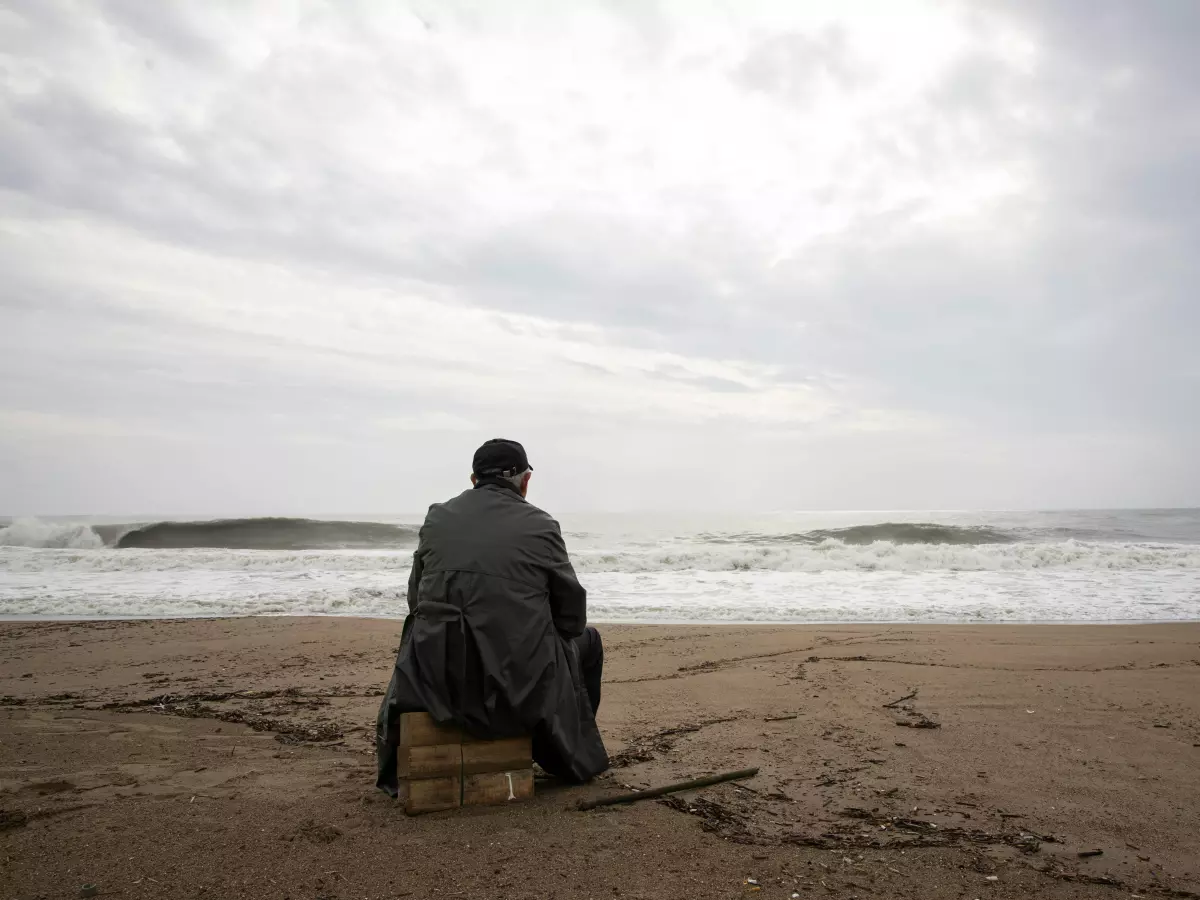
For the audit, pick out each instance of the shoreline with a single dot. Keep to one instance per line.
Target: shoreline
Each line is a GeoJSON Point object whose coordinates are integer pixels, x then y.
{"type": "Point", "coordinates": [630, 623]}
{"type": "Point", "coordinates": [233, 757]}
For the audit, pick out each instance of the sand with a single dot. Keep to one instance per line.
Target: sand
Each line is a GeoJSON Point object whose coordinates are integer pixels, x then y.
{"type": "Point", "coordinates": [234, 759]}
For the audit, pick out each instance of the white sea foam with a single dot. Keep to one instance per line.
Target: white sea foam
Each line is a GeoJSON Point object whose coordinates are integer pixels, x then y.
{"type": "Point", "coordinates": [829, 555]}
{"type": "Point", "coordinates": [678, 582]}
{"type": "Point", "coordinates": [36, 533]}
{"type": "Point", "coordinates": [835, 596]}
{"type": "Point", "coordinates": [834, 555]}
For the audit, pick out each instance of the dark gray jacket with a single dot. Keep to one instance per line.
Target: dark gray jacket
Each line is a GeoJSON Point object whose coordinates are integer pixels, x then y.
{"type": "Point", "coordinates": [493, 604]}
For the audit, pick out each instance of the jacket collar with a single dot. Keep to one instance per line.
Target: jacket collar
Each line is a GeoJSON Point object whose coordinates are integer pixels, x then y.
{"type": "Point", "coordinates": [502, 483]}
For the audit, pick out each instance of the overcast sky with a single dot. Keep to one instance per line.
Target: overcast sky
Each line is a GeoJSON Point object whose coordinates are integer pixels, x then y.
{"type": "Point", "coordinates": [302, 257]}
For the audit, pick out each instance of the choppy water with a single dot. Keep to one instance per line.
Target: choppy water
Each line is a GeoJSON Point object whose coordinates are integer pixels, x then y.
{"type": "Point", "coordinates": [780, 567]}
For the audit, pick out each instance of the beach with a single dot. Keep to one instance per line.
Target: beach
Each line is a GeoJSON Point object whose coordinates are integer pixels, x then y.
{"type": "Point", "coordinates": [235, 758]}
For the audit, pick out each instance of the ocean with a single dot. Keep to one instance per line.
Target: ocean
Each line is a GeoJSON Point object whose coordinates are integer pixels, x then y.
{"type": "Point", "coordinates": [812, 567]}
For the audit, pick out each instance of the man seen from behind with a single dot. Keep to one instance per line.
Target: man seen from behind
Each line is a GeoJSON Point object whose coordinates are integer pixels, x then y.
{"type": "Point", "coordinates": [496, 640]}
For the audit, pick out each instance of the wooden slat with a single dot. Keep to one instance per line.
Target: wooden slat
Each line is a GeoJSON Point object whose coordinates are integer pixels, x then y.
{"type": "Point", "coordinates": [442, 768]}
{"type": "Point", "coordinates": [469, 738]}
{"type": "Point", "coordinates": [497, 787]}
{"type": "Point", "coordinates": [433, 795]}
{"type": "Point", "coordinates": [497, 756]}
{"type": "Point", "coordinates": [420, 730]}
{"type": "Point", "coordinates": [431, 762]}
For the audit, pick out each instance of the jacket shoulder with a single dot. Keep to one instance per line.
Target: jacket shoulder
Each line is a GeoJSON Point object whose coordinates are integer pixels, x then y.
{"type": "Point", "coordinates": [543, 518]}
{"type": "Point", "coordinates": [455, 502]}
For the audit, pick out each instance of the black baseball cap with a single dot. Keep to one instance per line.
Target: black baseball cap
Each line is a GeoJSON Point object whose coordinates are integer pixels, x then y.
{"type": "Point", "coordinates": [500, 457]}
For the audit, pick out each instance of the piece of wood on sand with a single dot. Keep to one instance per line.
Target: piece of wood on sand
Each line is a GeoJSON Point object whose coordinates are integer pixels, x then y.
{"type": "Point", "coordinates": [649, 793]}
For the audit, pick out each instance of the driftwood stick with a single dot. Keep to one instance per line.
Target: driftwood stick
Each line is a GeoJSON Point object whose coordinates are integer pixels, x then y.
{"type": "Point", "coordinates": [650, 793]}
{"type": "Point", "coordinates": [896, 703]}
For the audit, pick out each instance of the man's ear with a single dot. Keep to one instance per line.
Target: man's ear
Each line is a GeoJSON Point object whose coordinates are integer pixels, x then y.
{"type": "Point", "coordinates": [525, 484]}
{"type": "Point", "coordinates": [473, 481]}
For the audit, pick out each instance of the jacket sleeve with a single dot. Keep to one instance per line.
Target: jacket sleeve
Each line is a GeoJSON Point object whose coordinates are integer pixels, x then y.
{"type": "Point", "coordinates": [418, 566]}
{"type": "Point", "coordinates": [568, 598]}
{"type": "Point", "coordinates": [414, 581]}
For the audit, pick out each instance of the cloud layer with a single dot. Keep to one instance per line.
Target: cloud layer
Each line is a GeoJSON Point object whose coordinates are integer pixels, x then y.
{"type": "Point", "coordinates": [303, 257]}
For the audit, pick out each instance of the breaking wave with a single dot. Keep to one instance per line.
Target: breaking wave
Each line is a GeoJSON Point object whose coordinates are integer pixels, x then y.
{"type": "Point", "coordinates": [35, 533]}
{"type": "Point", "coordinates": [273, 533]}
{"type": "Point", "coordinates": [277, 533]}
{"type": "Point", "coordinates": [889, 532]}
{"type": "Point", "coordinates": [267, 534]}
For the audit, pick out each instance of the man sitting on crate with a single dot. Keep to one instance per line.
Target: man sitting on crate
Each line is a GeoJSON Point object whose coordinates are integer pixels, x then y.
{"type": "Point", "coordinates": [496, 640]}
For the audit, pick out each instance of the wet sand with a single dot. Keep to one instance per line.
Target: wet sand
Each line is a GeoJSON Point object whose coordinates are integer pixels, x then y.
{"type": "Point", "coordinates": [234, 758]}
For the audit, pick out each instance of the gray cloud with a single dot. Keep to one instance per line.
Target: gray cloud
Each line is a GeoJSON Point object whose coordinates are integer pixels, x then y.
{"type": "Point", "coordinates": [1004, 249]}
{"type": "Point", "coordinates": [795, 65]}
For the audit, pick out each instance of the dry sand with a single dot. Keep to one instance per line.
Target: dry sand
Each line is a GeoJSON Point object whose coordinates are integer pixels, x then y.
{"type": "Point", "coordinates": [234, 758]}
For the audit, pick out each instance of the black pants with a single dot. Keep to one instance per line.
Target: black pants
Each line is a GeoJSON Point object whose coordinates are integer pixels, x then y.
{"type": "Point", "coordinates": [591, 663]}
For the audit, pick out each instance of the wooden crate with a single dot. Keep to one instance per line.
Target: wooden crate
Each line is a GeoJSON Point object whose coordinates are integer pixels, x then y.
{"type": "Point", "coordinates": [442, 768]}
